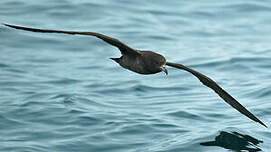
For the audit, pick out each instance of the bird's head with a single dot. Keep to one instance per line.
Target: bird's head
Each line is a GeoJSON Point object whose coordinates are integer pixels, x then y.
{"type": "Point", "coordinates": [157, 62]}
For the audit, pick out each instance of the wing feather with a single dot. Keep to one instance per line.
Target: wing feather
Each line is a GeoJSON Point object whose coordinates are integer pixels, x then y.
{"type": "Point", "coordinates": [125, 49]}
{"type": "Point", "coordinates": [221, 92]}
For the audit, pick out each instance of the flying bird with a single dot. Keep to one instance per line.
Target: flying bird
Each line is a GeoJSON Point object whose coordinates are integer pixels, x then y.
{"type": "Point", "coordinates": [148, 62]}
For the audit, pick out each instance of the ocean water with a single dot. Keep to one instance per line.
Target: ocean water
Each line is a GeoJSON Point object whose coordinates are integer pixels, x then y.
{"type": "Point", "coordinates": [62, 92]}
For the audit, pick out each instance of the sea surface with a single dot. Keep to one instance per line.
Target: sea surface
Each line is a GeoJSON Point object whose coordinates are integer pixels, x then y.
{"type": "Point", "coordinates": [62, 93]}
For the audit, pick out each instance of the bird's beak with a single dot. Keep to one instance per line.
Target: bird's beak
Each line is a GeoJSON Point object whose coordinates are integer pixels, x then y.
{"type": "Point", "coordinates": [164, 69]}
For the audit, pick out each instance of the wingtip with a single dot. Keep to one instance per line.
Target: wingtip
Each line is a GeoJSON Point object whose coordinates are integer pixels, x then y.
{"type": "Point", "coordinates": [263, 124]}
{"type": "Point", "coordinates": [7, 24]}
{"type": "Point", "coordinates": [260, 122]}
{"type": "Point", "coordinates": [11, 26]}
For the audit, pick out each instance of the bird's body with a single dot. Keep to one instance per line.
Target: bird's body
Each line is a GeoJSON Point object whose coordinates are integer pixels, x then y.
{"type": "Point", "coordinates": [148, 62]}
{"type": "Point", "coordinates": [142, 63]}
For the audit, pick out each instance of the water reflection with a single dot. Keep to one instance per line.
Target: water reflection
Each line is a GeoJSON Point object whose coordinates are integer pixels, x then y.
{"type": "Point", "coordinates": [235, 141]}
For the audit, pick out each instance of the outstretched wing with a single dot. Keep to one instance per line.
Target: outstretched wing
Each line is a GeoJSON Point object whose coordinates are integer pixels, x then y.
{"type": "Point", "coordinates": [221, 92]}
{"type": "Point", "coordinates": [125, 49]}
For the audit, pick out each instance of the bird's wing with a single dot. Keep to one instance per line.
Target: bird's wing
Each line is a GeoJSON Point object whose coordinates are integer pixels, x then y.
{"type": "Point", "coordinates": [125, 49]}
{"type": "Point", "coordinates": [221, 92]}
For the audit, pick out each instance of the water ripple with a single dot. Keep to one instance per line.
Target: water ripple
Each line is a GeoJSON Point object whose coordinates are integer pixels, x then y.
{"type": "Point", "coordinates": [61, 92]}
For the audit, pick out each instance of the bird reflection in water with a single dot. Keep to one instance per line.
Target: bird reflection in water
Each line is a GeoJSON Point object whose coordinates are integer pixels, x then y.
{"type": "Point", "coordinates": [235, 141]}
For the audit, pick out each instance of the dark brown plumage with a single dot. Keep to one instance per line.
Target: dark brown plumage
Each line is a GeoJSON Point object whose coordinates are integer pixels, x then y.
{"type": "Point", "coordinates": [148, 62]}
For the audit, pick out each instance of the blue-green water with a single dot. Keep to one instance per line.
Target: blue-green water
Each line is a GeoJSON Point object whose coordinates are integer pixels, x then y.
{"type": "Point", "coordinates": [63, 93]}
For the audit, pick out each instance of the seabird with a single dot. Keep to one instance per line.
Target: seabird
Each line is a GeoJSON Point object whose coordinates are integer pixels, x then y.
{"type": "Point", "coordinates": [148, 62]}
